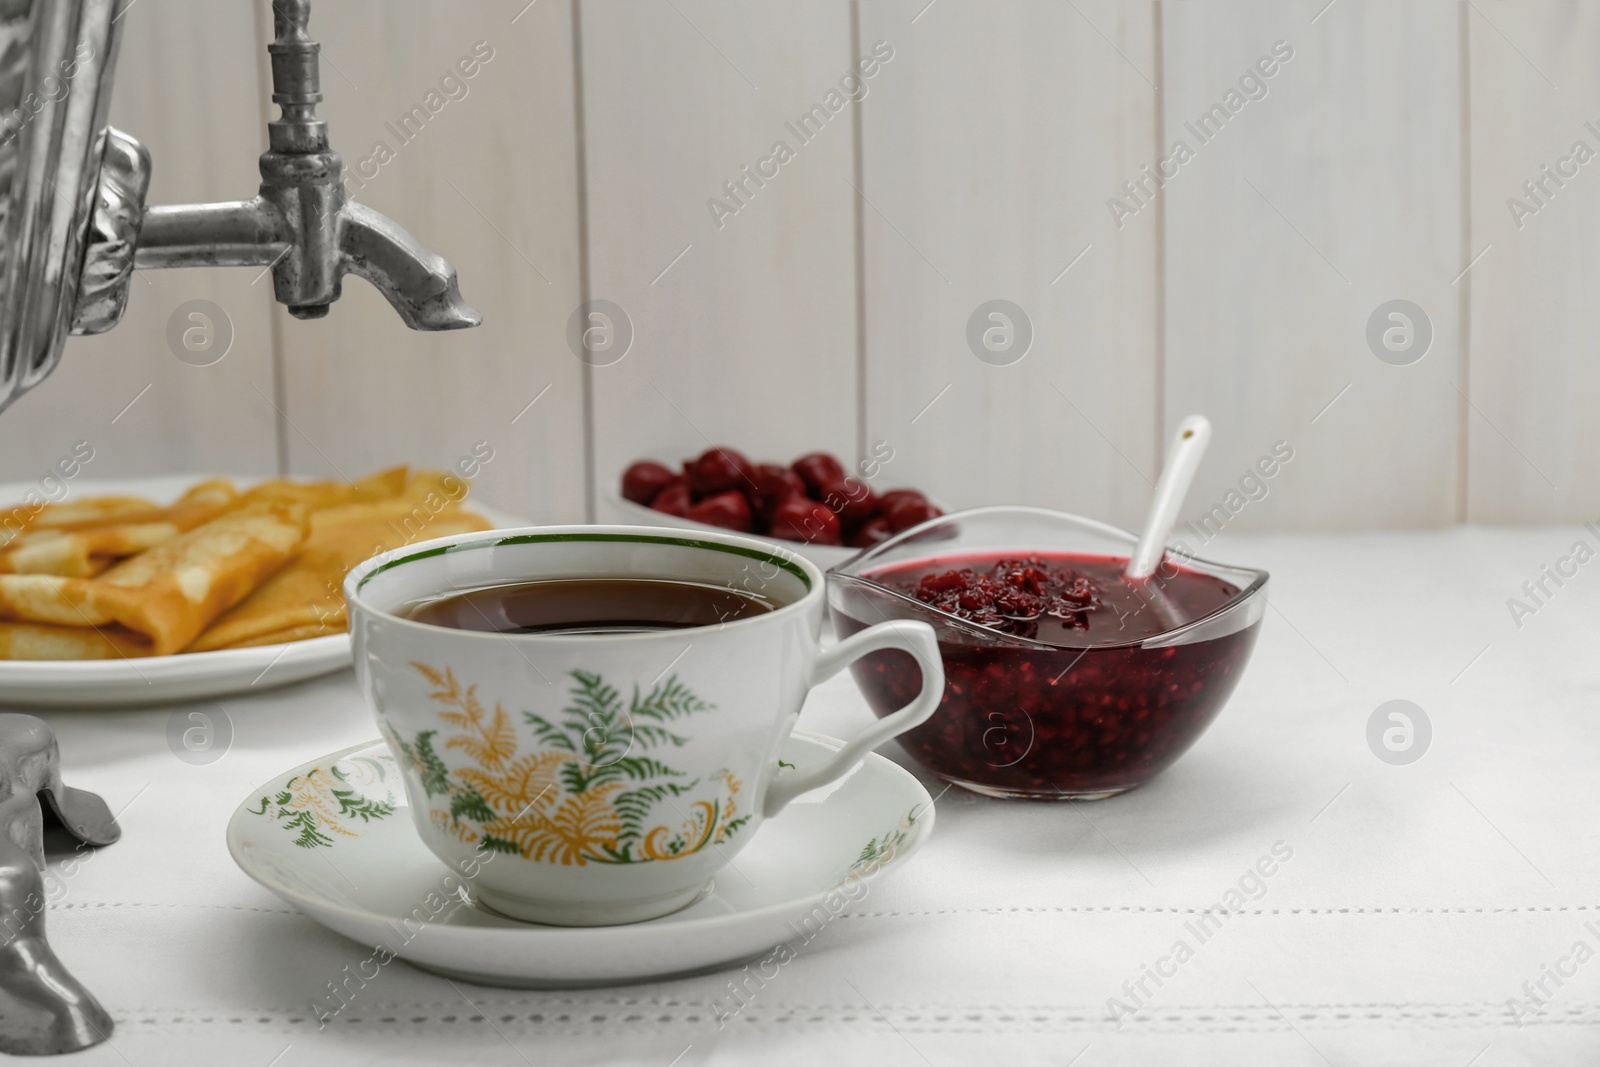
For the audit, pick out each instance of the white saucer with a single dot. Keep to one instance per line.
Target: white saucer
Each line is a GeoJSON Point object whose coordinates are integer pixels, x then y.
{"type": "Point", "coordinates": [372, 880]}
{"type": "Point", "coordinates": [168, 679]}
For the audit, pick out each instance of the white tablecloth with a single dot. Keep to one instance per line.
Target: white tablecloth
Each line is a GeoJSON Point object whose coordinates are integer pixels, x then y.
{"type": "Point", "coordinates": [1417, 901]}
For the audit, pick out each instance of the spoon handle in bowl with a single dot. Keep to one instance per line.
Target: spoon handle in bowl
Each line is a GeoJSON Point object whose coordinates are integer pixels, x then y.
{"type": "Point", "coordinates": [1183, 460]}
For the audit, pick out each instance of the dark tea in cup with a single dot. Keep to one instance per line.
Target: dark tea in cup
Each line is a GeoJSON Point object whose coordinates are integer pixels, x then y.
{"type": "Point", "coordinates": [591, 606]}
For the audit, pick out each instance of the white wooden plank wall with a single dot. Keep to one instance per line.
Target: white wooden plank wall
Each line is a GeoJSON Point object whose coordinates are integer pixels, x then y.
{"type": "Point", "coordinates": [991, 142]}
{"type": "Point", "coordinates": [743, 310]}
{"type": "Point", "coordinates": [1338, 190]}
{"type": "Point", "coordinates": [1535, 376]}
{"type": "Point", "coordinates": [601, 154]}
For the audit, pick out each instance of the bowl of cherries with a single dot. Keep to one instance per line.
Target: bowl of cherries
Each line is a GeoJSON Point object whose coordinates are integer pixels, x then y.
{"type": "Point", "coordinates": [813, 505]}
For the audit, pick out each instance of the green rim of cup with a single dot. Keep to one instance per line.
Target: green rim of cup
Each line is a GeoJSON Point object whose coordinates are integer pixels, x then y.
{"type": "Point", "coordinates": [644, 539]}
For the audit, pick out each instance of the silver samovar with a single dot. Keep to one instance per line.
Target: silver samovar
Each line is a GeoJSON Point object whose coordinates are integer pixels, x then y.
{"type": "Point", "coordinates": [73, 221]}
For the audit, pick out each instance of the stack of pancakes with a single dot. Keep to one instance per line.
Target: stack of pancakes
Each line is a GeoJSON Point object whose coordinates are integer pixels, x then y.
{"type": "Point", "coordinates": [220, 568]}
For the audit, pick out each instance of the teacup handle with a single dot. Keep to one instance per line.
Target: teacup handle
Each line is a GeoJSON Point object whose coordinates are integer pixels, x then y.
{"type": "Point", "coordinates": [916, 638]}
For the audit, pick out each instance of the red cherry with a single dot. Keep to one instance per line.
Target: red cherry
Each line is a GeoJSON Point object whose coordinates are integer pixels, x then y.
{"type": "Point", "coordinates": [799, 518]}
{"type": "Point", "coordinates": [909, 511]}
{"type": "Point", "coordinates": [673, 500]}
{"type": "Point", "coordinates": [889, 499]}
{"type": "Point", "coordinates": [772, 484]}
{"type": "Point", "coordinates": [728, 510]}
{"type": "Point", "coordinates": [873, 532]}
{"type": "Point", "coordinates": [716, 471]}
{"type": "Point", "coordinates": [818, 469]}
{"type": "Point", "coordinates": [642, 481]}
{"type": "Point", "coordinates": [853, 500]}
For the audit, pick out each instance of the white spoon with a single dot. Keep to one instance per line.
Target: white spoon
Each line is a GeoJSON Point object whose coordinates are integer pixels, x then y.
{"type": "Point", "coordinates": [1183, 460]}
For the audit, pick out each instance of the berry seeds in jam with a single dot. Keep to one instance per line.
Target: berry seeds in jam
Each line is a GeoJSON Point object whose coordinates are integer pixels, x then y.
{"type": "Point", "coordinates": [1023, 718]}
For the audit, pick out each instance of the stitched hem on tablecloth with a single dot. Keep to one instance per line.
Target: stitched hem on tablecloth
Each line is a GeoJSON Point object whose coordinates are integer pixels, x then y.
{"type": "Point", "coordinates": [920, 1019]}
{"type": "Point", "coordinates": [94, 905]}
{"type": "Point", "coordinates": [1140, 909]}
{"type": "Point", "coordinates": [1086, 909]}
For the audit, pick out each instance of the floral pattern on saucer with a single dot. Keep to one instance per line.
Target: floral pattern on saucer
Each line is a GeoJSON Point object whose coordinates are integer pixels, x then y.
{"type": "Point", "coordinates": [322, 805]}
{"type": "Point", "coordinates": [590, 795]}
{"type": "Point", "coordinates": [881, 849]}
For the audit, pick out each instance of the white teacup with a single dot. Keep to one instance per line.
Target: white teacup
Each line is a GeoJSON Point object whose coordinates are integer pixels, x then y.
{"type": "Point", "coordinates": [612, 774]}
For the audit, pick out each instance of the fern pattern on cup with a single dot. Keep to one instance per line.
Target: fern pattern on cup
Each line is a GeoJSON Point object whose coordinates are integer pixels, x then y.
{"type": "Point", "coordinates": [593, 792]}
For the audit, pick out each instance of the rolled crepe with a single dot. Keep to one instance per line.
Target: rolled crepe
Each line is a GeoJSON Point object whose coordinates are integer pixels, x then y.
{"type": "Point", "coordinates": [274, 637]}
{"type": "Point", "coordinates": [202, 503]}
{"type": "Point", "coordinates": [96, 511]}
{"type": "Point", "coordinates": [85, 552]}
{"type": "Point", "coordinates": [170, 593]}
{"type": "Point", "coordinates": [318, 495]}
{"type": "Point", "coordinates": [82, 553]}
{"type": "Point", "coordinates": [28, 640]}
{"type": "Point", "coordinates": [93, 511]}
{"type": "Point", "coordinates": [304, 599]}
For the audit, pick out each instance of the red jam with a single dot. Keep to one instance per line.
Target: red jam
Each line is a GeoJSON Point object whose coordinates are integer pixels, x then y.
{"type": "Point", "coordinates": [1090, 720]}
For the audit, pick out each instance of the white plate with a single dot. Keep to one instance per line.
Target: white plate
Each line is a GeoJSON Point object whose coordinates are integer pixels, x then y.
{"type": "Point", "coordinates": [627, 511]}
{"type": "Point", "coordinates": [372, 880]}
{"type": "Point", "coordinates": [166, 679]}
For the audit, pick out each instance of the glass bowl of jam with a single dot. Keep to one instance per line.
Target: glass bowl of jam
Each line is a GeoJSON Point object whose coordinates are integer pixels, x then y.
{"type": "Point", "coordinates": [1064, 680]}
